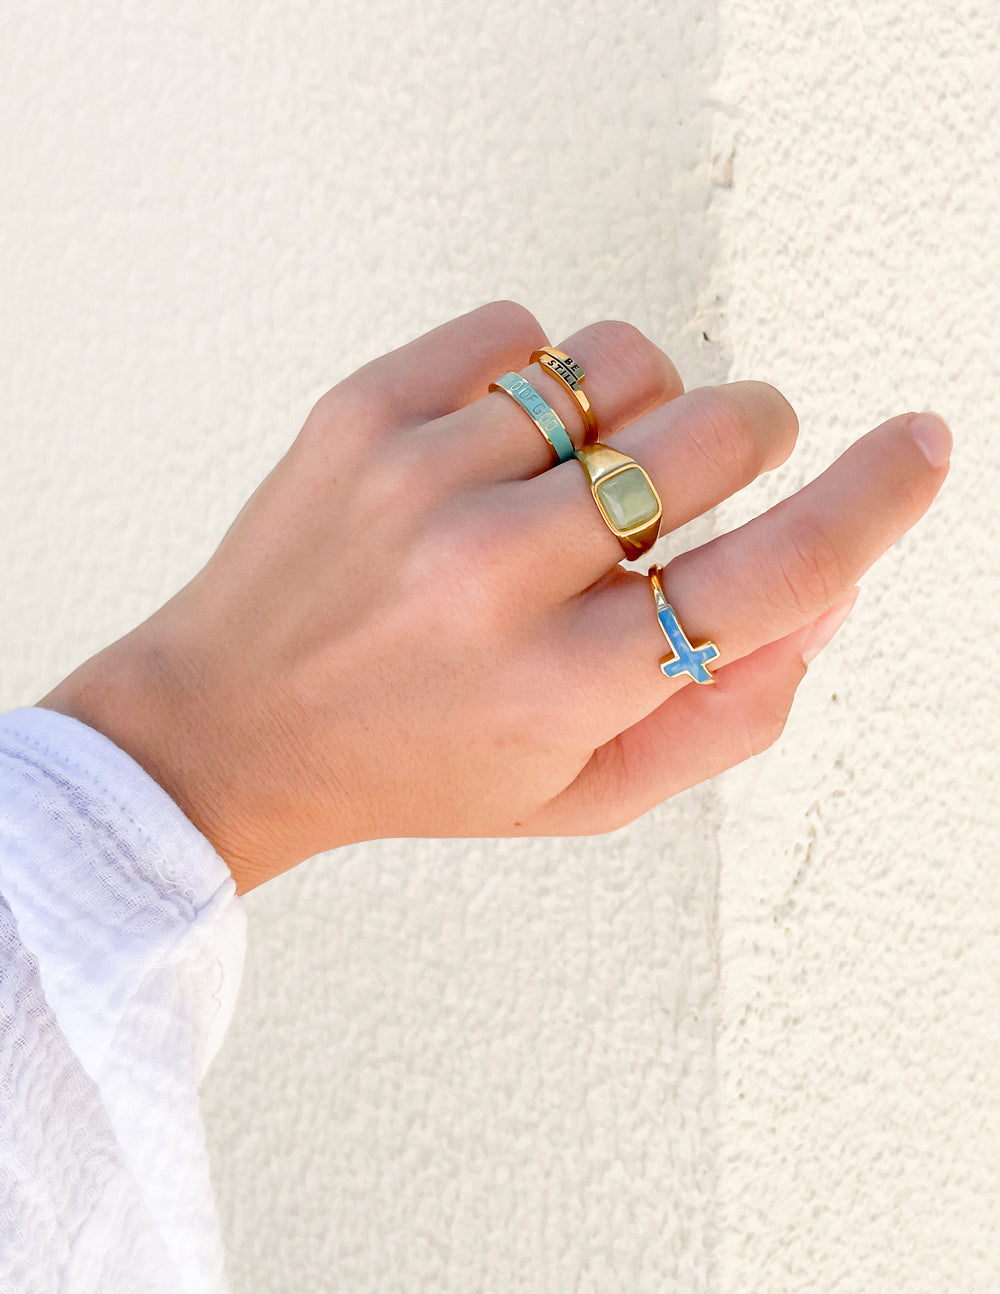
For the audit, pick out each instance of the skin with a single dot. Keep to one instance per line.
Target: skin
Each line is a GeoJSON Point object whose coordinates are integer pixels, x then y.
{"type": "Point", "coordinates": [417, 626]}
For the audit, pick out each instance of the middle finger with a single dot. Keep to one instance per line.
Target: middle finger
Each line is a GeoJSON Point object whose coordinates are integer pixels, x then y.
{"type": "Point", "coordinates": [493, 440]}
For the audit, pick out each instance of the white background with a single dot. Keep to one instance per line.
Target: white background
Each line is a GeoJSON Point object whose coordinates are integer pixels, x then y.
{"type": "Point", "coordinates": [751, 1042]}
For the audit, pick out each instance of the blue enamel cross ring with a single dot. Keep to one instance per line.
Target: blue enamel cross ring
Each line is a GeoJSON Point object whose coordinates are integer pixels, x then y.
{"type": "Point", "coordinates": [685, 659]}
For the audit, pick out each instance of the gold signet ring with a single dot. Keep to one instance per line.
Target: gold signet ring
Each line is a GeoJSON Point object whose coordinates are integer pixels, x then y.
{"type": "Point", "coordinates": [625, 496]}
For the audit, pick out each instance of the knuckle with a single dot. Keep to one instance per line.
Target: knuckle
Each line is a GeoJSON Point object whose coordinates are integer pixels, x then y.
{"type": "Point", "coordinates": [398, 483]}
{"type": "Point", "coordinates": [429, 575]}
{"type": "Point", "coordinates": [784, 406]}
{"type": "Point", "coordinates": [326, 412]}
{"type": "Point", "coordinates": [384, 493]}
{"type": "Point", "coordinates": [627, 354]}
{"type": "Point", "coordinates": [725, 435]}
{"type": "Point", "coordinates": [810, 567]}
{"type": "Point", "coordinates": [485, 538]}
{"type": "Point", "coordinates": [510, 318]}
{"type": "Point", "coordinates": [611, 802]}
{"type": "Point", "coordinates": [459, 569]}
{"type": "Point", "coordinates": [778, 419]}
{"type": "Point", "coordinates": [389, 498]}
{"type": "Point", "coordinates": [346, 411]}
{"type": "Point", "coordinates": [778, 405]}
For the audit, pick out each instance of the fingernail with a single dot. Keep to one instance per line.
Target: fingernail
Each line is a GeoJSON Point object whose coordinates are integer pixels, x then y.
{"type": "Point", "coordinates": [826, 626]}
{"type": "Point", "coordinates": [931, 433]}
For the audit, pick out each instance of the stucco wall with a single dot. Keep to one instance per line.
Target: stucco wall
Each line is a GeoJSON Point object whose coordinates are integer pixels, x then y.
{"type": "Point", "coordinates": [859, 1029]}
{"type": "Point", "coordinates": [751, 1042]}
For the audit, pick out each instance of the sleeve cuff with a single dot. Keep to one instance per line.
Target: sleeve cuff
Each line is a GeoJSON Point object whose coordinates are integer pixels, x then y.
{"type": "Point", "coordinates": [109, 881]}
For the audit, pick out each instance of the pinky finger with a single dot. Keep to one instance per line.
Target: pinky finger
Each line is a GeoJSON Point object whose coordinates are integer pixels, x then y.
{"type": "Point", "coordinates": [695, 734]}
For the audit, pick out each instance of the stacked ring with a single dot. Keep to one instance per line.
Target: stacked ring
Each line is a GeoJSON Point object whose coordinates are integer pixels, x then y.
{"type": "Point", "coordinates": [625, 495]}
{"type": "Point", "coordinates": [570, 374]}
{"type": "Point", "coordinates": [539, 411]}
{"type": "Point", "coordinates": [685, 659]}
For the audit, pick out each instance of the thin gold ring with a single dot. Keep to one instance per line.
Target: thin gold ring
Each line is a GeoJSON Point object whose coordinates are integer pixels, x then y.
{"type": "Point", "coordinates": [570, 374]}
{"type": "Point", "coordinates": [625, 495]}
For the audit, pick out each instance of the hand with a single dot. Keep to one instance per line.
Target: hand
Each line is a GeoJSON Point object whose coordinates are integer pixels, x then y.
{"type": "Point", "coordinates": [413, 628]}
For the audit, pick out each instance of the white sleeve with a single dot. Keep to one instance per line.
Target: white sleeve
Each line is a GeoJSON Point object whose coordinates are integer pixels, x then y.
{"type": "Point", "coordinates": [121, 952]}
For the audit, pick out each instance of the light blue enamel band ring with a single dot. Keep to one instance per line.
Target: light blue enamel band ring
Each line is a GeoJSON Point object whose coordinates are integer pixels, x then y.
{"type": "Point", "coordinates": [539, 411]}
{"type": "Point", "coordinates": [684, 658]}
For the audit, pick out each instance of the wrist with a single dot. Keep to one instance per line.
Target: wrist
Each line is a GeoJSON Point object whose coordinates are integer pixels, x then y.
{"type": "Point", "coordinates": [123, 693]}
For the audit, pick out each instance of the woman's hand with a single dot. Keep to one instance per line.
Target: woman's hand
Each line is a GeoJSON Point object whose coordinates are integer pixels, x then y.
{"type": "Point", "coordinates": [413, 628]}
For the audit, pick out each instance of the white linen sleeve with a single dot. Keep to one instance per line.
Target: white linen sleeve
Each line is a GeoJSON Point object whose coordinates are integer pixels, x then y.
{"type": "Point", "coordinates": [122, 943]}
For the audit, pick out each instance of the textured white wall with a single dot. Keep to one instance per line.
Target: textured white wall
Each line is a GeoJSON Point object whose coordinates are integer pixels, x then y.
{"type": "Point", "coordinates": [493, 1066]}
{"type": "Point", "coordinates": [859, 1031]}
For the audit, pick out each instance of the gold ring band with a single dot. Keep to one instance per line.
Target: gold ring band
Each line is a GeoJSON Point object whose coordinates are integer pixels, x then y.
{"type": "Point", "coordinates": [625, 495]}
{"type": "Point", "coordinates": [684, 658]}
{"type": "Point", "coordinates": [570, 374]}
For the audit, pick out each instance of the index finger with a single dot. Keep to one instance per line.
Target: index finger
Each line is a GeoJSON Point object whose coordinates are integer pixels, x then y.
{"type": "Point", "coordinates": [769, 577]}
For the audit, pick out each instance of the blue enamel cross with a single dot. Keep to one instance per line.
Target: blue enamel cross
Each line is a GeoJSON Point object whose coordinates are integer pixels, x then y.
{"type": "Point", "coordinates": [686, 659]}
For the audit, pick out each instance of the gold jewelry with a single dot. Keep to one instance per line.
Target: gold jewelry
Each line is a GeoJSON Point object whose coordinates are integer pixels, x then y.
{"type": "Point", "coordinates": [570, 374]}
{"type": "Point", "coordinates": [625, 495]}
{"type": "Point", "coordinates": [539, 411]}
{"type": "Point", "coordinates": [685, 659]}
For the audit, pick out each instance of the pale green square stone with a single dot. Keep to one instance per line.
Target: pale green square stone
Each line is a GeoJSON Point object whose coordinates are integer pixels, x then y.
{"type": "Point", "coordinates": [627, 499]}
